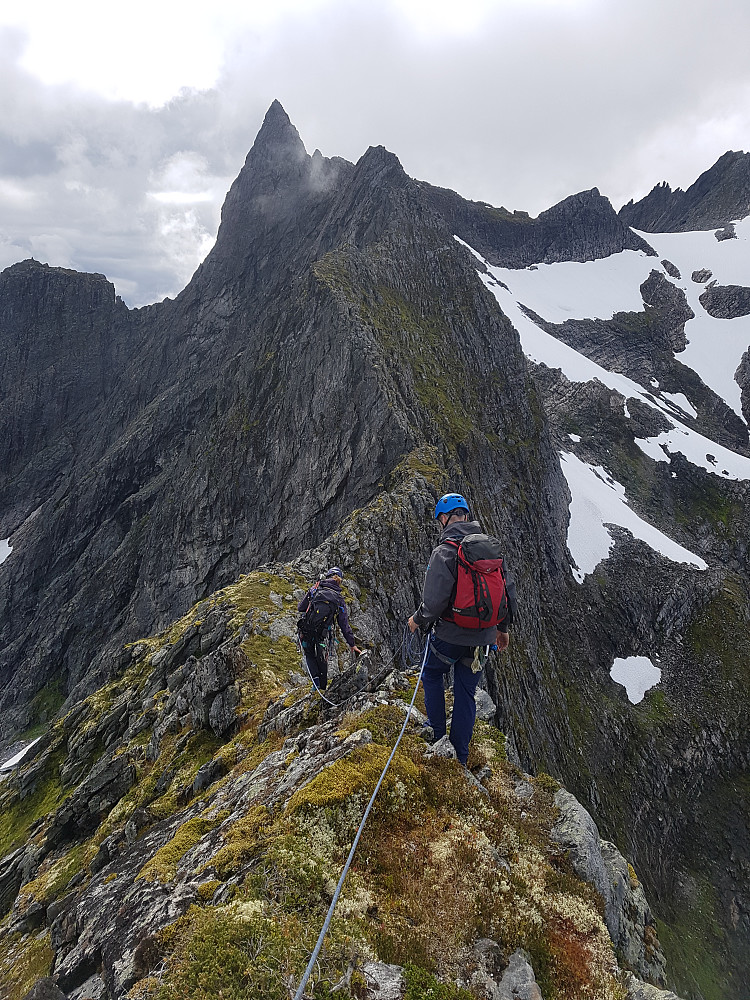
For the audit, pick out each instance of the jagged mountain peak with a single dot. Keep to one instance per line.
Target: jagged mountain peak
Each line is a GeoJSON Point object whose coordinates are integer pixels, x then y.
{"type": "Point", "coordinates": [276, 153]}
{"type": "Point", "coordinates": [720, 195]}
{"type": "Point", "coordinates": [277, 135]}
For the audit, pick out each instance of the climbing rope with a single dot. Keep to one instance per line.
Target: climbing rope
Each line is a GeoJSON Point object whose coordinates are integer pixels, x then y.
{"type": "Point", "coordinates": [331, 908]}
{"type": "Point", "coordinates": [412, 647]}
{"type": "Point", "coordinates": [312, 679]}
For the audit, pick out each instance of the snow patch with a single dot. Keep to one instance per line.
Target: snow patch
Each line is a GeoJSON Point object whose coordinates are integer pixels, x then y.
{"type": "Point", "coordinates": [680, 400]}
{"type": "Point", "coordinates": [594, 289]}
{"type": "Point", "coordinates": [636, 674]}
{"type": "Point", "coordinates": [575, 437]}
{"type": "Point", "coordinates": [5, 549]}
{"type": "Point", "coordinates": [598, 500]}
{"type": "Point", "coordinates": [715, 346]}
{"type": "Point", "coordinates": [698, 450]}
{"type": "Point", "coordinates": [18, 757]}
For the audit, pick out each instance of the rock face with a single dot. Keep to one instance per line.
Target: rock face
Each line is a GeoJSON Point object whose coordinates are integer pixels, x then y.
{"type": "Point", "coordinates": [629, 919]}
{"type": "Point", "coordinates": [726, 301]}
{"type": "Point", "coordinates": [582, 227]}
{"type": "Point", "coordinates": [719, 196]}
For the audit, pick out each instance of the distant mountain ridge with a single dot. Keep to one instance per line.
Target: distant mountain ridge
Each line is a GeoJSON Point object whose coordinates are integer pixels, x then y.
{"type": "Point", "coordinates": [720, 195]}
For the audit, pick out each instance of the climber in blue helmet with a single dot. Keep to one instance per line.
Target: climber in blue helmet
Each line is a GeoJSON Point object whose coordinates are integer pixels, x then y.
{"type": "Point", "coordinates": [451, 503]}
{"type": "Point", "coordinates": [461, 632]}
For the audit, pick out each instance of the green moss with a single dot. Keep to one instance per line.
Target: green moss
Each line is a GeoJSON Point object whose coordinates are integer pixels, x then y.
{"type": "Point", "coordinates": [547, 783]}
{"type": "Point", "coordinates": [22, 962]}
{"type": "Point", "coordinates": [52, 881]}
{"type": "Point", "coordinates": [163, 866]}
{"type": "Point", "coordinates": [237, 952]}
{"type": "Point", "coordinates": [17, 814]}
{"type": "Point", "coordinates": [692, 943]}
{"type": "Point", "coordinates": [421, 985]}
{"type": "Point", "coordinates": [206, 890]}
{"type": "Point", "coordinates": [44, 706]}
{"type": "Point", "coordinates": [241, 841]}
{"type": "Point", "coordinates": [720, 634]}
{"type": "Point", "coordinates": [356, 773]}
{"type": "Point", "coordinates": [424, 462]}
{"type": "Point", "coordinates": [654, 710]}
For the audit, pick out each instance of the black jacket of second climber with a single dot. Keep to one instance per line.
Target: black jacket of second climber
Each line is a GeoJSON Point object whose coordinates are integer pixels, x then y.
{"type": "Point", "coordinates": [342, 616]}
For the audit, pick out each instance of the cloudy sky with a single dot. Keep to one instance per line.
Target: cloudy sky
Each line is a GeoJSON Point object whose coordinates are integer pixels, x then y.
{"type": "Point", "coordinates": [123, 125]}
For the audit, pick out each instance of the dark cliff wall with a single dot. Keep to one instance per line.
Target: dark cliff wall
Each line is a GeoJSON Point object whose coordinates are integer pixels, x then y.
{"type": "Point", "coordinates": [582, 227]}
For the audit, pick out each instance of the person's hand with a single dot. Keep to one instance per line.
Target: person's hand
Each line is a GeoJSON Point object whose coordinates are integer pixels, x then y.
{"type": "Point", "coordinates": [412, 624]}
{"type": "Point", "coordinates": [357, 650]}
{"type": "Point", "coordinates": [503, 640]}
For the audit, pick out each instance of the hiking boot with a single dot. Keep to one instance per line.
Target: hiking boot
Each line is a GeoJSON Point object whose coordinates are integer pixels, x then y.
{"type": "Point", "coordinates": [427, 733]}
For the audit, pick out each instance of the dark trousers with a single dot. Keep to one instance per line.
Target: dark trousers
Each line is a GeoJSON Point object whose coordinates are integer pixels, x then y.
{"type": "Point", "coordinates": [316, 657]}
{"type": "Point", "coordinates": [464, 688]}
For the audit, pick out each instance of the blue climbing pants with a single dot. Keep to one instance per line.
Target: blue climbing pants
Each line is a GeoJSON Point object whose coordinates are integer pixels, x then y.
{"type": "Point", "coordinates": [464, 688]}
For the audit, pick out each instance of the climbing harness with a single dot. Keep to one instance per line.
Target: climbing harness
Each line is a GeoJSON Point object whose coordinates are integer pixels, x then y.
{"type": "Point", "coordinates": [331, 908]}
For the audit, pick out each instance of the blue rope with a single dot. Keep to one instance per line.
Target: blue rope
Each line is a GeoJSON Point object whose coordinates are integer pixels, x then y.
{"type": "Point", "coordinates": [329, 915]}
{"type": "Point", "coordinates": [412, 647]}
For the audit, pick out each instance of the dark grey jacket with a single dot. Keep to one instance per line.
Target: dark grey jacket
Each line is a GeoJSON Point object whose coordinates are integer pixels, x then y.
{"type": "Point", "coordinates": [440, 586]}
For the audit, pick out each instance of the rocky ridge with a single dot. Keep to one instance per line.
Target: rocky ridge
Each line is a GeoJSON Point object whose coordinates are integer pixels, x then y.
{"type": "Point", "coordinates": [181, 829]}
{"type": "Point", "coordinates": [720, 196]}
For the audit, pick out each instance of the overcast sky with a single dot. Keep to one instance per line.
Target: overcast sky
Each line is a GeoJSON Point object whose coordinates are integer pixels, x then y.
{"type": "Point", "coordinates": [122, 126]}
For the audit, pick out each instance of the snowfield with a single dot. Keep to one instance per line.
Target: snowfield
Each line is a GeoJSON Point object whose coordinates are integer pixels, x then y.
{"type": "Point", "coordinates": [597, 290]}
{"type": "Point", "coordinates": [715, 346]}
{"type": "Point", "coordinates": [599, 500]}
{"type": "Point", "coordinates": [543, 348]}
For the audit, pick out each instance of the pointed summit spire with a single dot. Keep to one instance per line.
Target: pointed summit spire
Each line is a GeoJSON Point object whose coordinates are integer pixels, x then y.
{"type": "Point", "coordinates": [277, 135]}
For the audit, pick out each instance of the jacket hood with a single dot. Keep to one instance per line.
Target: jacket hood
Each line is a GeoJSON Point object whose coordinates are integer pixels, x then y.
{"type": "Point", "coordinates": [455, 532]}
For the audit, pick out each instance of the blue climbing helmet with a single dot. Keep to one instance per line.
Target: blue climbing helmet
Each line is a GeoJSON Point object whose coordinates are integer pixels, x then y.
{"type": "Point", "coordinates": [334, 571]}
{"type": "Point", "coordinates": [450, 502]}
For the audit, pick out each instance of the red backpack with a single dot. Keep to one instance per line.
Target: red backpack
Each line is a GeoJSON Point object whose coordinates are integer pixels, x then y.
{"type": "Point", "coordinates": [480, 600]}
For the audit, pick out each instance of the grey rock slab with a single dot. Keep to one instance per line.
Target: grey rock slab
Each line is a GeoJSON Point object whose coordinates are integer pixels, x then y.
{"type": "Point", "coordinates": [638, 990]}
{"type": "Point", "coordinates": [384, 982]}
{"type": "Point", "coordinates": [45, 989]}
{"type": "Point", "coordinates": [442, 748]}
{"type": "Point", "coordinates": [626, 911]}
{"type": "Point", "coordinates": [486, 707]}
{"type": "Point", "coordinates": [519, 981]}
